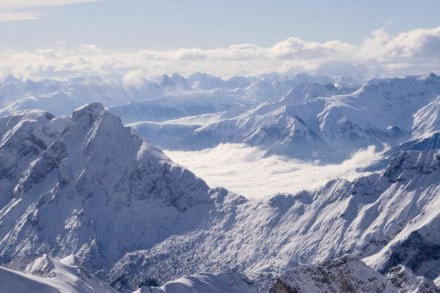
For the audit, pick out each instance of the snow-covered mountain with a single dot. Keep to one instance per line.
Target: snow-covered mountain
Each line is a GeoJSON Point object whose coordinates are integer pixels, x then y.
{"type": "Point", "coordinates": [88, 187]}
{"type": "Point", "coordinates": [167, 98]}
{"type": "Point", "coordinates": [317, 122]}
{"type": "Point", "coordinates": [371, 216]}
{"type": "Point", "coordinates": [85, 187]}
{"type": "Point", "coordinates": [62, 97]}
{"type": "Point", "coordinates": [75, 189]}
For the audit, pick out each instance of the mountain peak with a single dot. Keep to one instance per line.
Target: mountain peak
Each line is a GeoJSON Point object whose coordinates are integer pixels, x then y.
{"type": "Point", "coordinates": [91, 109]}
{"type": "Point", "coordinates": [94, 180]}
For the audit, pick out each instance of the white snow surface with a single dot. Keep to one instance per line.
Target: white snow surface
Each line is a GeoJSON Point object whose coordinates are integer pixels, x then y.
{"type": "Point", "coordinates": [305, 117]}
{"type": "Point", "coordinates": [205, 283]}
{"type": "Point", "coordinates": [167, 95]}
{"type": "Point", "coordinates": [50, 203]}
{"type": "Point", "coordinates": [87, 186]}
{"type": "Point", "coordinates": [363, 217]}
{"type": "Point", "coordinates": [313, 121]}
{"type": "Point", "coordinates": [47, 275]}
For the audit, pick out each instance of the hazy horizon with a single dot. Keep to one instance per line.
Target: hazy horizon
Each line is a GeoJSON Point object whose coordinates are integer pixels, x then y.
{"type": "Point", "coordinates": [114, 38]}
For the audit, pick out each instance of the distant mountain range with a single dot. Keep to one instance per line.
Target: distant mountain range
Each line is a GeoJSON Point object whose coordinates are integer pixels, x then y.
{"type": "Point", "coordinates": [311, 118]}
{"type": "Point", "coordinates": [314, 122]}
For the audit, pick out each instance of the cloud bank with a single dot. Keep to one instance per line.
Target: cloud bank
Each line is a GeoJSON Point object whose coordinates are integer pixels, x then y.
{"type": "Point", "coordinates": [246, 171]}
{"type": "Point", "coordinates": [381, 54]}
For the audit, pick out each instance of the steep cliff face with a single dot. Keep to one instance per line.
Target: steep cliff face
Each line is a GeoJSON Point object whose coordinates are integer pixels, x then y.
{"type": "Point", "coordinates": [340, 275]}
{"type": "Point", "coordinates": [367, 218]}
{"type": "Point", "coordinates": [416, 244]}
{"type": "Point", "coordinates": [23, 137]}
{"type": "Point", "coordinates": [347, 274]}
{"type": "Point", "coordinates": [406, 281]}
{"type": "Point", "coordinates": [93, 189]}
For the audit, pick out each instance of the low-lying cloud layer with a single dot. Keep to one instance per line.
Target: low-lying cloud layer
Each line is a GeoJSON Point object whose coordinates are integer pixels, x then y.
{"type": "Point", "coordinates": [246, 171]}
{"type": "Point", "coordinates": [381, 54]}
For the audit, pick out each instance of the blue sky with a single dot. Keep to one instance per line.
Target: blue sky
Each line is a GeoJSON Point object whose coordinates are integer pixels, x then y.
{"type": "Point", "coordinates": [130, 39]}
{"type": "Point", "coordinates": [166, 24]}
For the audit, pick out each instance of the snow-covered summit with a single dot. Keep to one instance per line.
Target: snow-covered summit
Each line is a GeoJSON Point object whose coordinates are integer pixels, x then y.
{"type": "Point", "coordinates": [77, 190]}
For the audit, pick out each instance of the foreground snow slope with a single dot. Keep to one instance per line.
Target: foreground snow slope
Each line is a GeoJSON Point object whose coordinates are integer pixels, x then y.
{"type": "Point", "coordinates": [47, 275]}
{"type": "Point", "coordinates": [205, 283]}
{"type": "Point", "coordinates": [12, 281]}
{"type": "Point", "coordinates": [85, 185]}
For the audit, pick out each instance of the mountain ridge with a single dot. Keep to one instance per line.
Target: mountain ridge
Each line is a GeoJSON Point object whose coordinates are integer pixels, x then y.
{"type": "Point", "coordinates": [86, 185]}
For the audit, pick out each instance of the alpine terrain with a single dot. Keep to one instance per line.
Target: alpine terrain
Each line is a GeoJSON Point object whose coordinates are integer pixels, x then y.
{"type": "Point", "coordinates": [88, 204]}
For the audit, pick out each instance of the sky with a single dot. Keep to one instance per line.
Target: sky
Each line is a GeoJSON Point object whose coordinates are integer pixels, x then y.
{"type": "Point", "coordinates": [60, 38]}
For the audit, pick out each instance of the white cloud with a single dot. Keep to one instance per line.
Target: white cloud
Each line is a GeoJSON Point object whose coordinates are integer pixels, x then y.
{"type": "Point", "coordinates": [412, 52]}
{"type": "Point", "coordinates": [419, 43]}
{"type": "Point", "coordinates": [295, 48]}
{"type": "Point", "coordinates": [260, 176]}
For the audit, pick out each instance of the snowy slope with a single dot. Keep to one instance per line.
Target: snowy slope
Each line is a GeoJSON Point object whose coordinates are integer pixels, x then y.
{"type": "Point", "coordinates": [305, 117]}
{"type": "Point", "coordinates": [24, 136]}
{"type": "Point", "coordinates": [347, 274]}
{"type": "Point", "coordinates": [362, 218]}
{"type": "Point", "coordinates": [320, 122]}
{"type": "Point", "coordinates": [205, 283]}
{"type": "Point", "coordinates": [427, 119]}
{"type": "Point", "coordinates": [406, 281]}
{"type": "Point", "coordinates": [85, 185]}
{"type": "Point", "coordinates": [426, 142]}
{"type": "Point", "coordinates": [341, 275]}
{"type": "Point", "coordinates": [60, 97]}
{"type": "Point", "coordinates": [379, 106]}
{"type": "Point", "coordinates": [199, 93]}
{"type": "Point", "coordinates": [190, 103]}
{"type": "Point", "coordinates": [94, 162]}
{"type": "Point", "coordinates": [306, 92]}
{"type": "Point", "coordinates": [12, 281]}
{"type": "Point", "coordinates": [46, 275]}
